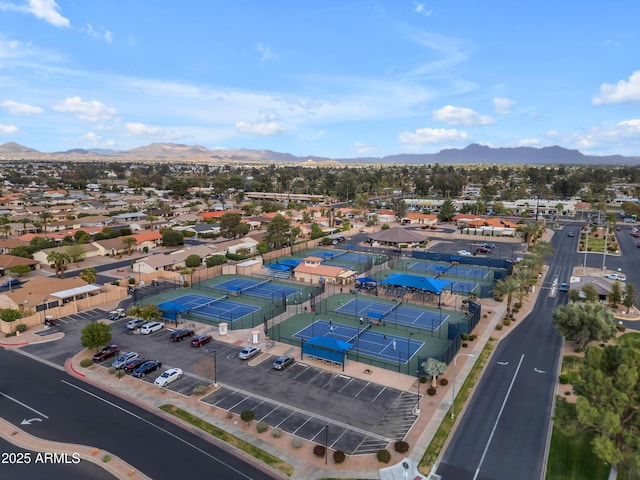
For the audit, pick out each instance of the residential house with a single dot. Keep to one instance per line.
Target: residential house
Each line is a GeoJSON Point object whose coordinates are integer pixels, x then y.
{"type": "Point", "coordinates": [174, 260]}
{"type": "Point", "coordinates": [89, 250]}
{"type": "Point", "coordinates": [9, 261]}
{"type": "Point", "coordinates": [8, 244]}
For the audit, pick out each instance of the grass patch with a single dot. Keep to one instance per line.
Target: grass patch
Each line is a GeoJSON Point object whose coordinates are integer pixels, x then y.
{"type": "Point", "coordinates": [265, 457]}
{"type": "Point", "coordinates": [462, 394]}
{"type": "Point", "coordinates": [570, 366]}
{"type": "Point", "coordinates": [630, 339]}
{"type": "Point", "coordinates": [574, 460]}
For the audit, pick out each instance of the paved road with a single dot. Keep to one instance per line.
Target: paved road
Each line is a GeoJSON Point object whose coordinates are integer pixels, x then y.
{"type": "Point", "coordinates": [504, 431]}
{"type": "Point", "coordinates": [74, 412]}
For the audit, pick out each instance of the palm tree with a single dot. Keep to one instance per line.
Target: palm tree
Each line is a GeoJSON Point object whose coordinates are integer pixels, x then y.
{"type": "Point", "coordinates": [129, 243]}
{"type": "Point", "coordinates": [525, 278]}
{"type": "Point", "coordinates": [507, 286]}
{"type": "Point", "coordinates": [89, 275]}
{"type": "Point", "coordinates": [6, 229]}
{"type": "Point", "coordinates": [58, 260]}
{"type": "Point", "coordinates": [44, 216]}
{"type": "Point", "coordinates": [542, 248]}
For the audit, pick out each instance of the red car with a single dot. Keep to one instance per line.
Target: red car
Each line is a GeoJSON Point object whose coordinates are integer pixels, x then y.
{"type": "Point", "coordinates": [200, 340]}
{"type": "Point", "coordinates": [131, 365]}
{"type": "Point", "coordinates": [179, 335]}
{"type": "Point", "coordinates": [483, 250]}
{"type": "Point", "coordinates": [106, 352]}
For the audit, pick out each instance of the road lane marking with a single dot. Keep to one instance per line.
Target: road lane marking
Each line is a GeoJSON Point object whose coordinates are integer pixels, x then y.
{"type": "Point", "coordinates": [24, 405]}
{"type": "Point", "coordinates": [495, 425]}
{"type": "Point", "coordinates": [173, 435]}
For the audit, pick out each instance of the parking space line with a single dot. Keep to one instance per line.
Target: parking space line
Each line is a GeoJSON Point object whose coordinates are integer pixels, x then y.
{"type": "Point", "coordinates": [345, 385]}
{"type": "Point", "coordinates": [303, 371]}
{"type": "Point", "coordinates": [376, 397]}
{"type": "Point", "coordinates": [322, 429]}
{"type": "Point", "coordinates": [247, 397]}
{"type": "Point", "coordinates": [307, 421]}
{"type": "Point", "coordinates": [288, 417]}
{"type": "Point", "coordinates": [365, 386]}
{"type": "Point", "coordinates": [269, 413]}
{"type": "Point", "coordinates": [321, 372]}
{"type": "Point", "coordinates": [339, 437]}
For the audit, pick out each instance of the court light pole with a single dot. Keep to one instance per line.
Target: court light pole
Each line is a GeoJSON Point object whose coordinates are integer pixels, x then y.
{"type": "Point", "coordinates": [409, 349]}
{"type": "Point", "coordinates": [453, 385]}
{"type": "Point", "coordinates": [326, 444]}
{"type": "Point", "coordinates": [418, 400]}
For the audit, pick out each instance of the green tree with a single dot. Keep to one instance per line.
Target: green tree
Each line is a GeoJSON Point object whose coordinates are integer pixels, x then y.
{"type": "Point", "coordinates": [214, 260]}
{"type": "Point", "coordinates": [171, 238]}
{"type": "Point", "coordinates": [95, 335]}
{"type": "Point", "coordinates": [58, 260]}
{"type": "Point", "coordinates": [10, 315]}
{"type": "Point", "coordinates": [399, 206]}
{"type": "Point", "coordinates": [434, 368]}
{"type": "Point", "coordinates": [616, 294]}
{"type": "Point", "coordinates": [21, 252]}
{"type": "Point", "coordinates": [146, 312]}
{"type": "Point", "coordinates": [278, 231]}
{"type": "Point", "coordinates": [76, 253]}
{"type": "Point", "coordinates": [507, 287]}
{"type": "Point", "coordinates": [629, 299]}
{"type": "Point", "coordinates": [542, 249]}
{"type": "Point", "coordinates": [316, 231]}
{"type": "Point", "coordinates": [447, 211]}
{"type": "Point", "coordinates": [193, 261]}
{"type": "Point", "coordinates": [584, 322]}
{"type": "Point", "coordinates": [607, 406]}
{"type": "Point", "coordinates": [590, 293]}
{"type": "Point", "coordinates": [89, 275]}
{"type": "Point", "coordinates": [129, 243]}
{"type": "Point", "coordinates": [19, 270]}
{"type": "Point", "coordinates": [231, 226]}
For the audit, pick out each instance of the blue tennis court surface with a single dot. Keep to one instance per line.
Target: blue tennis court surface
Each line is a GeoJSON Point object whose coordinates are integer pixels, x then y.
{"type": "Point", "coordinates": [344, 256]}
{"type": "Point", "coordinates": [221, 309]}
{"type": "Point", "coordinates": [452, 270]}
{"type": "Point", "coordinates": [394, 313]}
{"type": "Point", "coordinates": [256, 288]}
{"type": "Point", "coordinates": [371, 342]}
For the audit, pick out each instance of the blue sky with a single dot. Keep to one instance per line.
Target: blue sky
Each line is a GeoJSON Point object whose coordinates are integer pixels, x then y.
{"type": "Point", "coordinates": [334, 78]}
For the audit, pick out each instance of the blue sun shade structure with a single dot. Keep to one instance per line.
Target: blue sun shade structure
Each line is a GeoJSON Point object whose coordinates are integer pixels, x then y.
{"type": "Point", "coordinates": [418, 282]}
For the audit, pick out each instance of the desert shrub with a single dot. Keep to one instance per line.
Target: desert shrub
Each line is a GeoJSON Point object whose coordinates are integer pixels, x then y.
{"type": "Point", "coordinates": [506, 322]}
{"type": "Point", "coordinates": [431, 391]}
{"type": "Point", "coordinates": [86, 362]}
{"type": "Point", "coordinates": [120, 373]}
{"type": "Point", "coordinates": [296, 442]}
{"type": "Point", "coordinates": [499, 326]}
{"type": "Point", "coordinates": [578, 350]}
{"type": "Point", "coordinates": [383, 455]}
{"type": "Point", "coordinates": [464, 336]}
{"type": "Point", "coordinates": [621, 328]}
{"type": "Point", "coordinates": [319, 450]}
{"type": "Point", "coordinates": [423, 379]}
{"type": "Point", "coordinates": [339, 456]}
{"type": "Point", "coordinates": [21, 327]}
{"type": "Point", "coordinates": [132, 281]}
{"type": "Point", "coordinates": [112, 370]}
{"type": "Point", "coordinates": [247, 415]}
{"type": "Point", "coordinates": [517, 305]}
{"type": "Point", "coordinates": [444, 382]}
{"type": "Point", "coordinates": [199, 390]}
{"type": "Point", "coordinates": [229, 414]}
{"type": "Point", "coordinates": [567, 393]}
{"type": "Point", "coordinates": [262, 427]}
{"type": "Point", "coordinates": [276, 433]}
{"type": "Point", "coordinates": [563, 379]}
{"type": "Point", "coordinates": [401, 447]}
{"type": "Point", "coordinates": [465, 344]}
{"type": "Point", "coordinates": [473, 337]}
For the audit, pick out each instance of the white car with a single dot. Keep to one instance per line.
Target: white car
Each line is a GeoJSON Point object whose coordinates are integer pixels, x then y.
{"type": "Point", "coordinates": [248, 352]}
{"type": "Point", "coordinates": [464, 253]}
{"type": "Point", "coordinates": [615, 276]}
{"type": "Point", "coordinates": [168, 376]}
{"type": "Point", "coordinates": [151, 327]}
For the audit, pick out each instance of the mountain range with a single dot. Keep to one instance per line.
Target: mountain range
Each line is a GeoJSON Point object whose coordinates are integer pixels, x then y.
{"type": "Point", "coordinates": [472, 154]}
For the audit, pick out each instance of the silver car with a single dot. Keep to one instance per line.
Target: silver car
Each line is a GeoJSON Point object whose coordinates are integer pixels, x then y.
{"type": "Point", "coordinates": [124, 358]}
{"type": "Point", "coordinates": [248, 352]}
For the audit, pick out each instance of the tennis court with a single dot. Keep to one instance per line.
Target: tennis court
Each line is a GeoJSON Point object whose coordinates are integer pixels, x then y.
{"type": "Point", "coordinates": [394, 313]}
{"type": "Point", "coordinates": [263, 289]}
{"type": "Point", "coordinates": [368, 342]}
{"type": "Point", "coordinates": [343, 255]}
{"type": "Point", "coordinates": [452, 270]}
{"type": "Point", "coordinates": [218, 308]}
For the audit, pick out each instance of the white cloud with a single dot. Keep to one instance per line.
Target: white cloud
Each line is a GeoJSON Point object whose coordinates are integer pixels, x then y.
{"type": "Point", "coordinates": [46, 10]}
{"type": "Point", "coordinates": [528, 142]}
{"type": "Point", "coordinates": [16, 108]}
{"type": "Point", "coordinates": [142, 130]}
{"type": "Point", "coordinates": [96, 140]}
{"type": "Point", "coordinates": [623, 91]}
{"type": "Point", "coordinates": [266, 53]}
{"type": "Point", "coordinates": [503, 105]}
{"type": "Point", "coordinates": [92, 111]}
{"type": "Point", "coordinates": [421, 8]}
{"type": "Point", "coordinates": [424, 136]}
{"type": "Point", "coordinates": [362, 148]}
{"type": "Point", "coordinates": [260, 128]}
{"type": "Point", "coordinates": [460, 116]}
{"type": "Point", "coordinates": [8, 129]}
{"type": "Point", "coordinates": [100, 32]}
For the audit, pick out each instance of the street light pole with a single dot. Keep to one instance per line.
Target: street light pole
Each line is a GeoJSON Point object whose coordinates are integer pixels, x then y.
{"type": "Point", "coordinates": [453, 385]}
{"type": "Point", "coordinates": [326, 444]}
{"type": "Point", "coordinates": [215, 368]}
{"type": "Point", "coordinates": [418, 400]}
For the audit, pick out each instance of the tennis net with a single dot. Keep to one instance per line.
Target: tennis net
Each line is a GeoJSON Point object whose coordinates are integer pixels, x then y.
{"type": "Point", "coordinates": [246, 289]}
{"type": "Point", "coordinates": [394, 307]}
{"type": "Point", "coordinates": [204, 305]}
{"type": "Point", "coordinates": [359, 334]}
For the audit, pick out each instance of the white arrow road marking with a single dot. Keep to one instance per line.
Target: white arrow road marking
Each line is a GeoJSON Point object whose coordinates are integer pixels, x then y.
{"type": "Point", "coordinates": [503, 363]}
{"type": "Point", "coordinates": [28, 422]}
{"type": "Point", "coordinates": [24, 405]}
{"type": "Point", "coordinates": [538, 371]}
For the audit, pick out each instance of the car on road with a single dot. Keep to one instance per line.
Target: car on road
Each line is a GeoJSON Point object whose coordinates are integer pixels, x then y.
{"type": "Point", "coordinates": [635, 233]}
{"type": "Point", "coordinates": [135, 323]}
{"type": "Point", "coordinates": [483, 250]}
{"type": "Point", "coordinates": [248, 352]}
{"type": "Point", "coordinates": [151, 327]}
{"type": "Point", "coordinates": [168, 376]}
{"type": "Point", "coordinates": [134, 363]}
{"type": "Point", "coordinates": [615, 276]}
{"type": "Point", "coordinates": [571, 234]}
{"type": "Point", "coordinates": [564, 287]}
{"type": "Point", "coordinates": [147, 367]}
{"type": "Point", "coordinates": [283, 362]}
{"type": "Point", "coordinates": [117, 314]}
{"type": "Point", "coordinates": [124, 358]}
{"type": "Point", "coordinates": [464, 253]}
{"type": "Point", "coordinates": [12, 282]}
{"type": "Point", "coordinates": [181, 334]}
{"type": "Point", "coordinates": [489, 245]}
{"type": "Point", "coordinates": [200, 340]}
{"type": "Point", "coordinates": [106, 352]}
